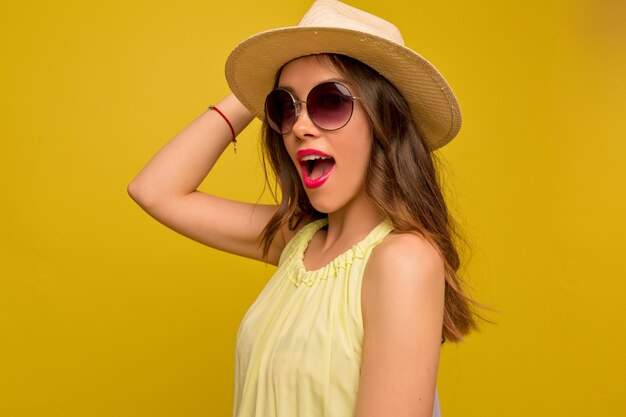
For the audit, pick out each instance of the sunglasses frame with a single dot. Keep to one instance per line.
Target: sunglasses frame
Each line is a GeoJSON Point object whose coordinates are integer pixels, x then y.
{"type": "Point", "coordinates": [297, 104]}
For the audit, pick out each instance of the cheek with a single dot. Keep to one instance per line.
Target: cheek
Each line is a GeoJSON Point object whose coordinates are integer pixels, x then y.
{"type": "Point", "coordinates": [364, 139]}
{"type": "Point", "coordinates": [289, 146]}
{"type": "Point", "coordinates": [359, 158]}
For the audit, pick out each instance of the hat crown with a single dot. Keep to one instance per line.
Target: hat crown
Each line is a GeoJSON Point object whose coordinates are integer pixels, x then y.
{"type": "Point", "coordinates": [334, 14]}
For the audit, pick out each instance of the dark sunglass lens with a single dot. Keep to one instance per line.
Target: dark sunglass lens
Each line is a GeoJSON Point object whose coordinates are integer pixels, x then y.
{"type": "Point", "coordinates": [280, 111]}
{"type": "Point", "coordinates": [330, 105]}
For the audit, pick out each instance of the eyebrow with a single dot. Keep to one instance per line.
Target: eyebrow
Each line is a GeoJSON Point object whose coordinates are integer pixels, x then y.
{"type": "Point", "coordinates": [330, 80]}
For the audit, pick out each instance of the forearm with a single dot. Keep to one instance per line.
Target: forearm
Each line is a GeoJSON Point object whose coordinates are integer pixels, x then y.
{"type": "Point", "coordinates": [183, 163]}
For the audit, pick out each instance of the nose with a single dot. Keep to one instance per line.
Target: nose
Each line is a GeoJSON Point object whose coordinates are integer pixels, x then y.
{"type": "Point", "coordinates": [303, 126]}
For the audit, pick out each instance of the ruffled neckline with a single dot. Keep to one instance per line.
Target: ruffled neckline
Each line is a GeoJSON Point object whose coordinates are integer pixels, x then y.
{"type": "Point", "coordinates": [297, 272]}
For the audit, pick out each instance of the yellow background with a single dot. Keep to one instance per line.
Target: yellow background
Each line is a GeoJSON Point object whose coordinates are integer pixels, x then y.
{"type": "Point", "coordinates": [104, 312]}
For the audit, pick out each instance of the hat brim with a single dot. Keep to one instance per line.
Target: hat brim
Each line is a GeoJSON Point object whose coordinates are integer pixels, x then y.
{"type": "Point", "coordinates": [252, 66]}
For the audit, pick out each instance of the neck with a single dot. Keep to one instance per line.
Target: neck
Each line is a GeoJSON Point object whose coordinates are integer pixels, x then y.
{"type": "Point", "coordinates": [352, 222]}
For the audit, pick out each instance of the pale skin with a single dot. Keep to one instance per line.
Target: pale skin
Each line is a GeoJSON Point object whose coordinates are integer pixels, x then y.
{"type": "Point", "coordinates": [403, 284]}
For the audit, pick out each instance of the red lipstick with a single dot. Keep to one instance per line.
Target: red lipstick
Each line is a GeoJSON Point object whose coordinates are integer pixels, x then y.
{"type": "Point", "coordinates": [315, 166]}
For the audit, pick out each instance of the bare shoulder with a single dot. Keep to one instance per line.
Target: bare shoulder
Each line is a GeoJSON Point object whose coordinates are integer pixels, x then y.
{"type": "Point", "coordinates": [404, 267]}
{"type": "Point", "coordinates": [406, 253]}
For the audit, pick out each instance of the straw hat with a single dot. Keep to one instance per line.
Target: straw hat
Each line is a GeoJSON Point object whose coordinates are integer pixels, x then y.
{"type": "Point", "coordinates": [334, 27]}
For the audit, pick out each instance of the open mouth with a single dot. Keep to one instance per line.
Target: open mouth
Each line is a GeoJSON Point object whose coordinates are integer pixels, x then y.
{"type": "Point", "coordinates": [316, 165]}
{"type": "Point", "coordinates": [316, 168]}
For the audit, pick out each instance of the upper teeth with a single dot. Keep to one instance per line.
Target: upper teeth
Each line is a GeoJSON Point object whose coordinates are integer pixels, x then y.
{"type": "Point", "coordinates": [314, 157]}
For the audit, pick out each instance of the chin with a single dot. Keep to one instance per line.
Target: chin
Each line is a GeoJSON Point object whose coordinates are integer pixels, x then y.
{"type": "Point", "coordinates": [324, 207]}
{"type": "Point", "coordinates": [335, 198]}
{"type": "Point", "coordinates": [324, 204]}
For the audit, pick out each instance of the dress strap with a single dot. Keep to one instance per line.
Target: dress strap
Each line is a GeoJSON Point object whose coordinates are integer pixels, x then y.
{"type": "Point", "coordinates": [301, 239]}
{"type": "Point", "coordinates": [293, 255]}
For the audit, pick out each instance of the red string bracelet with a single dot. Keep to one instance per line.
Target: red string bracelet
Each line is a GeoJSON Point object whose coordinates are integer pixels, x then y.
{"type": "Point", "coordinates": [232, 130]}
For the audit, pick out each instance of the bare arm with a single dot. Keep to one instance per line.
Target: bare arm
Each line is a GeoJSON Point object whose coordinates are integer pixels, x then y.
{"type": "Point", "coordinates": [166, 188]}
{"type": "Point", "coordinates": [402, 298]}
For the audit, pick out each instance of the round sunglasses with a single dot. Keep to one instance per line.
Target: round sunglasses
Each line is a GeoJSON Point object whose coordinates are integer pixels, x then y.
{"type": "Point", "coordinates": [329, 106]}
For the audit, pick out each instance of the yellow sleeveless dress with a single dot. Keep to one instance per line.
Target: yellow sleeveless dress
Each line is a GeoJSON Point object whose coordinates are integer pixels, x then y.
{"type": "Point", "coordinates": [298, 348]}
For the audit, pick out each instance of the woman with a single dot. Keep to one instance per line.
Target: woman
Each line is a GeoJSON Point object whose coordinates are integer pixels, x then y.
{"type": "Point", "coordinates": [366, 289]}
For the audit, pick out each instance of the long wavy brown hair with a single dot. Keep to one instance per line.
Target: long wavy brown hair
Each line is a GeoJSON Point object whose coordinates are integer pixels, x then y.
{"type": "Point", "coordinates": [401, 179]}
